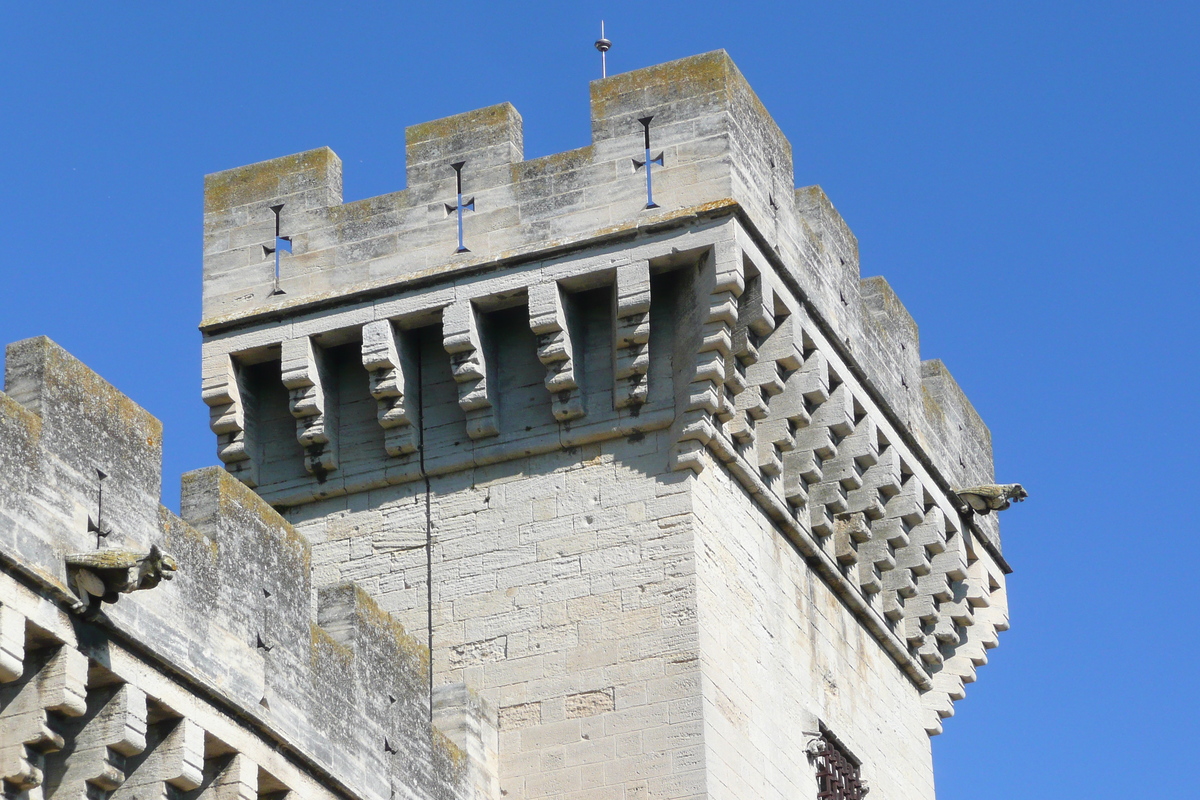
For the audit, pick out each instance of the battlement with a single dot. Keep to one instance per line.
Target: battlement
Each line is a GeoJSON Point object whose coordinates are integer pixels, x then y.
{"type": "Point", "coordinates": [717, 141]}
{"type": "Point", "coordinates": [238, 673]}
{"type": "Point", "coordinates": [723, 157]}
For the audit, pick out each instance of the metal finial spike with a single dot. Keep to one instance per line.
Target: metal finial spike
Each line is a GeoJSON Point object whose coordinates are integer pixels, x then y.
{"type": "Point", "coordinates": [603, 45]}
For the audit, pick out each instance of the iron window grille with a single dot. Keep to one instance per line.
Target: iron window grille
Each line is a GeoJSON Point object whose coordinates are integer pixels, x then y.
{"type": "Point", "coordinates": [838, 775]}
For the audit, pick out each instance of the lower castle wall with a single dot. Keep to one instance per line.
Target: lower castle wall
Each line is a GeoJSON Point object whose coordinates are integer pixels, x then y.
{"type": "Point", "coordinates": [240, 671]}
{"type": "Point", "coordinates": [101, 666]}
{"type": "Point", "coordinates": [780, 652]}
{"type": "Point", "coordinates": [564, 590]}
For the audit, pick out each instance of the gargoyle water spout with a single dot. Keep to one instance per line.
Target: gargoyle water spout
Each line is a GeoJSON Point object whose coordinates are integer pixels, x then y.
{"type": "Point", "coordinates": [992, 496]}
{"type": "Point", "coordinates": [109, 573]}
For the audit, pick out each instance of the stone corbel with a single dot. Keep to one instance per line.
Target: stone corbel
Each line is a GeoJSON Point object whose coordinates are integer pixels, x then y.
{"type": "Point", "coordinates": [905, 509]}
{"type": "Point", "coordinates": [62, 683]}
{"type": "Point", "coordinates": [879, 485]}
{"type": "Point", "coordinates": [946, 687]}
{"type": "Point", "coordinates": [176, 759]}
{"type": "Point", "coordinates": [934, 569]}
{"type": "Point", "coordinates": [755, 319]}
{"type": "Point", "coordinates": [815, 444]}
{"type": "Point", "coordinates": [857, 453]}
{"type": "Point", "coordinates": [460, 337]}
{"type": "Point", "coordinates": [806, 390]}
{"type": "Point", "coordinates": [631, 334]}
{"type": "Point", "coordinates": [118, 726]}
{"type": "Point", "coordinates": [985, 613]}
{"type": "Point", "coordinates": [224, 395]}
{"type": "Point", "coordinates": [959, 609]}
{"type": "Point", "coordinates": [973, 611]}
{"type": "Point", "coordinates": [237, 781]}
{"type": "Point", "coordinates": [757, 344]}
{"type": "Point", "coordinates": [902, 516]}
{"type": "Point", "coordinates": [312, 401]}
{"type": "Point", "coordinates": [391, 363]}
{"type": "Point", "coordinates": [948, 570]}
{"type": "Point", "coordinates": [876, 558]}
{"type": "Point", "coordinates": [716, 291]}
{"type": "Point", "coordinates": [844, 470]}
{"type": "Point", "coordinates": [978, 585]}
{"type": "Point", "coordinates": [182, 756]}
{"type": "Point", "coordinates": [787, 408]}
{"type": "Point", "coordinates": [58, 685]}
{"type": "Point", "coordinates": [850, 532]}
{"type": "Point", "coordinates": [729, 282]}
{"type": "Point", "coordinates": [548, 321]}
{"type": "Point", "coordinates": [813, 379]}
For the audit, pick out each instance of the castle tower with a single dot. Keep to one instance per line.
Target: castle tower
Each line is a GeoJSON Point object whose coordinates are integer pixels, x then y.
{"type": "Point", "coordinates": [624, 436]}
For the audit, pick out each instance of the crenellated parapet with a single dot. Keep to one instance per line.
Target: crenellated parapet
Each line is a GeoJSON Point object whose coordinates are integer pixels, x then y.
{"type": "Point", "coordinates": [723, 155]}
{"type": "Point", "coordinates": [237, 678]}
{"type": "Point", "coordinates": [730, 314]}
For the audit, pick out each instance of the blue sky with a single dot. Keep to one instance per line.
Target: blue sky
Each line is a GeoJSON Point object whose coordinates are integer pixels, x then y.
{"type": "Point", "coordinates": [1023, 173]}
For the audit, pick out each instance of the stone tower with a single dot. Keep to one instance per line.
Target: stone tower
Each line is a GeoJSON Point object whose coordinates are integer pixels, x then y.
{"type": "Point", "coordinates": [655, 473]}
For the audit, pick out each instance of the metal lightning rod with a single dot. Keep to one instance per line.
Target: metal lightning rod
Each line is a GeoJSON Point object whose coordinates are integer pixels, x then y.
{"type": "Point", "coordinates": [603, 45]}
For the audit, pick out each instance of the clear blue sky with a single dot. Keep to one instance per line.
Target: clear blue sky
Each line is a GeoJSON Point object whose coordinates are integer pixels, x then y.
{"type": "Point", "coordinates": [1023, 173]}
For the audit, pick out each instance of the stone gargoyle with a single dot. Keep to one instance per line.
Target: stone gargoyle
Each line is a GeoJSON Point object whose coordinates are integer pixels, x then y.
{"type": "Point", "coordinates": [107, 574]}
{"type": "Point", "coordinates": [992, 496]}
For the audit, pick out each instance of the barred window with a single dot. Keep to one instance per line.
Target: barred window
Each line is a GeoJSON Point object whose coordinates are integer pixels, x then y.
{"type": "Point", "coordinates": [837, 771]}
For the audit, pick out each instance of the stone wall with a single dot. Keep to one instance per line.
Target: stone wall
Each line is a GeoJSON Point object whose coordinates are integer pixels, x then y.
{"type": "Point", "coordinates": [564, 591]}
{"type": "Point", "coordinates": [782, 656]}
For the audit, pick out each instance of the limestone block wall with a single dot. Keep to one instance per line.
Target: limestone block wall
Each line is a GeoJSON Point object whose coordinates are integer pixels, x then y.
{"type": "Point", "coordinates": [236, 679]}
{"type": "Point", "coordinates": [783, 657]}
{"type": "Point", "coordinates": [564, 591]}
